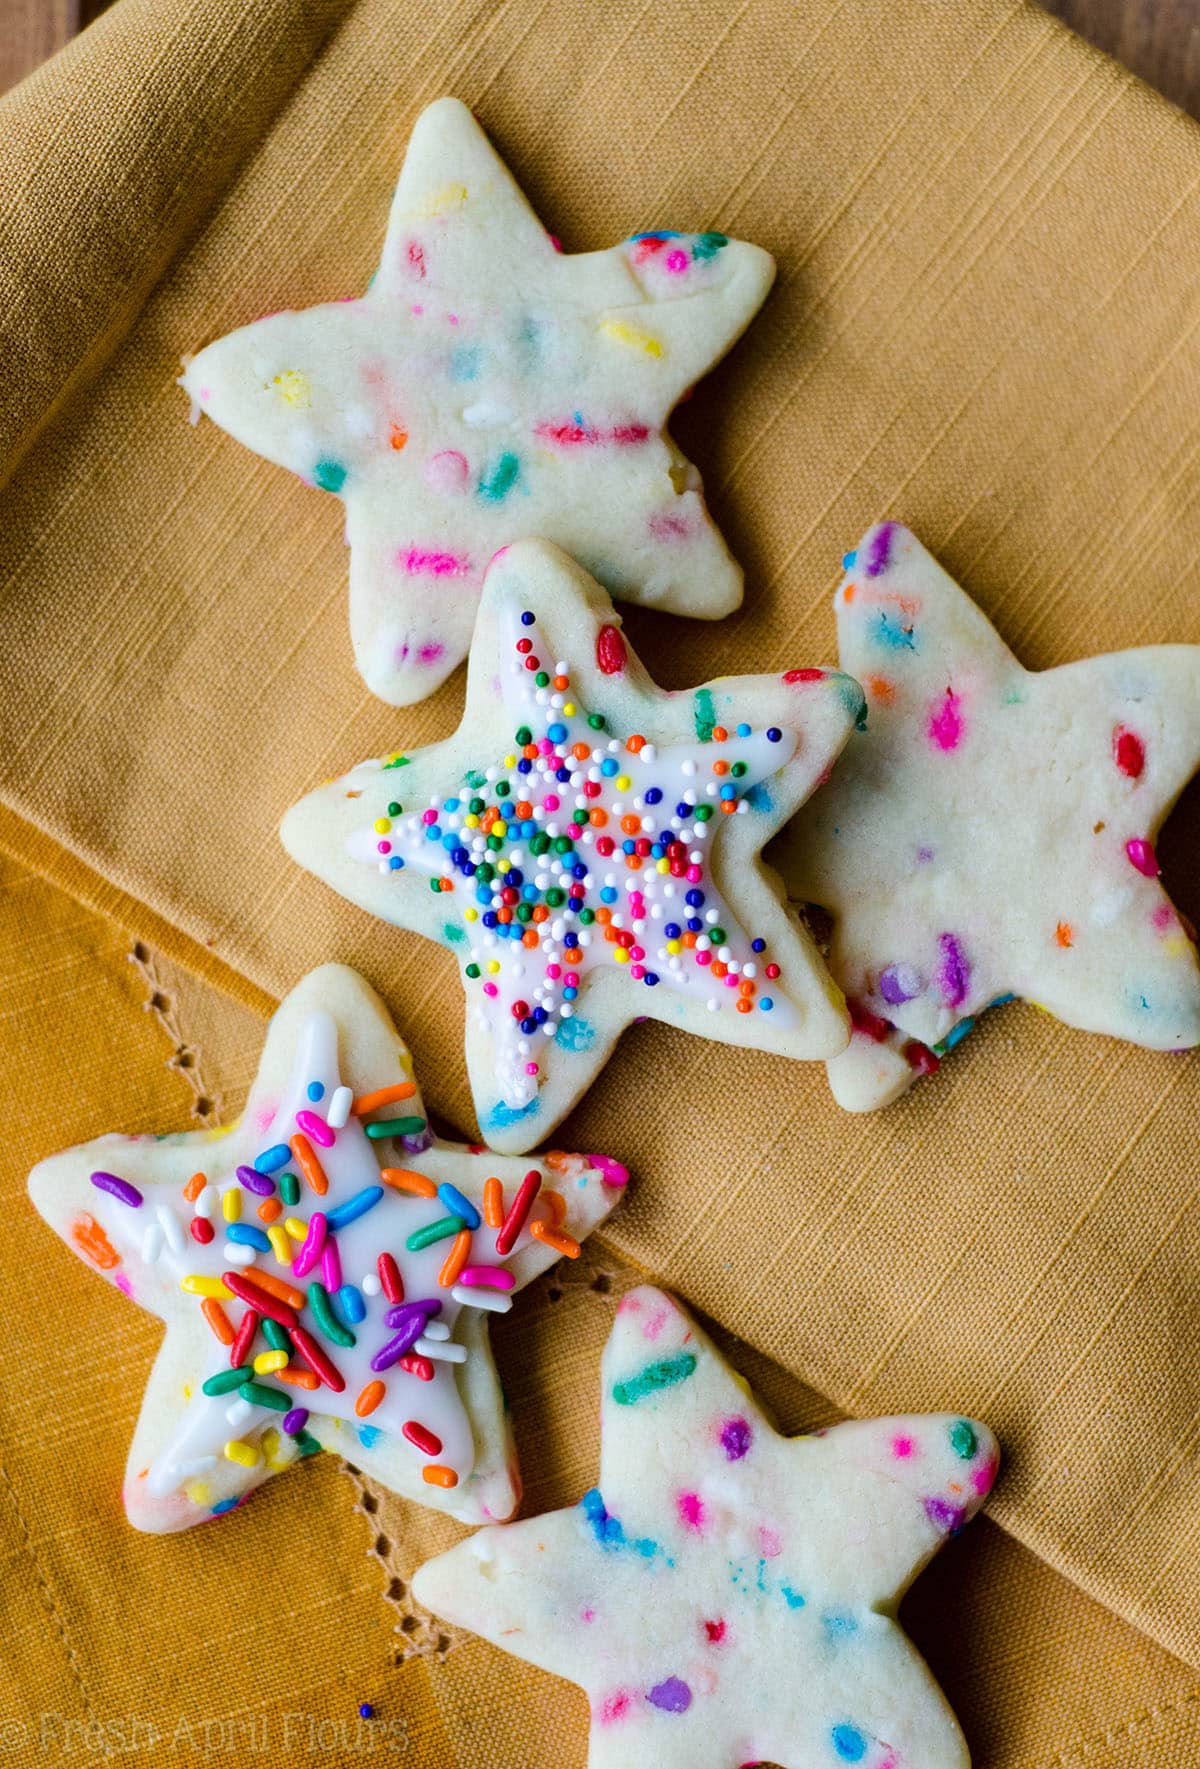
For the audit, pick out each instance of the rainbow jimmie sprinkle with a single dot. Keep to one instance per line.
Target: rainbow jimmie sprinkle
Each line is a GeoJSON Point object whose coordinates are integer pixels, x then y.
{"type": "Point", "coordinates": [326, 1270]}
{"type": "Point", "coordinates": [488, 387]}
{"type": "Point", "coordinates": [588, 846]}
{"type": "Point", "coordinates": [727, 1596]}
{"type": "Point", "coordinates": [991, 832]}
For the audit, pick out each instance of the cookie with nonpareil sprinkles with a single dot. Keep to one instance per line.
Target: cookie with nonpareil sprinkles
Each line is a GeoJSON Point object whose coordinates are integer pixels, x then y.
{"type": "Point", "coordinates": [488, 386]}
{"type": "Point", "coordinates": [990, 833]}
{"type": "Point", "coordinates": [727, 1596]}
{"type": "Point", "coordinates": [326, 1270]}
{"type": "Point", "coordinates": [588, 847]}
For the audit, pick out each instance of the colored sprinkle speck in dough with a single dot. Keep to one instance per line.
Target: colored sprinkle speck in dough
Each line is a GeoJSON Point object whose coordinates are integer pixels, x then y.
{"type": "Point", "coordinates": [849, 1743]}
{"type": "Point", "coordinates": [655, 1376]}
{"type": "Point", "coordinates": [736, 1438]}
{"type": "Point", "coordinates": [672, 1695]}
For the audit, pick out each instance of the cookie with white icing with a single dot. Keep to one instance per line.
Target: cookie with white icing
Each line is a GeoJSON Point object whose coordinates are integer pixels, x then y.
{"type": "Point", "coordinates": [990, 833]}
{"type": "Point", "coordinates": [326, 1269]}
{"type": "Point", "coordinates": [727, 1596]}
{"type": "Point", "coordinates": [488, 386]}
{"type": "Point", "coordinates": [588, 847]}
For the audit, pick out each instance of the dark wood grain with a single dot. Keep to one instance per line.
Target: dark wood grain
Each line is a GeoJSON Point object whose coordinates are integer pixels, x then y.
{"type": "Point", "coordinates": [1159, 40]}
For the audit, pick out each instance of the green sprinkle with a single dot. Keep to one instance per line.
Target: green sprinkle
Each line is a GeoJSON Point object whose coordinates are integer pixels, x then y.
{"type": "Point", "coordinates": [704, 714]}
{"type": "Point", "coordinates": [273, 1333]}
{"type": "Point", "coordinates": [384, 1127]}
{"type": "Point", "coordinates": [259, 1395]}
{"type": "Point", "coordinates": [329, 475]}
{"type": "Point", "coordinates": [318, 1301]}
{"type": "Point", "coordinates": [707, 245]}
{"type": "Point", "coordinates": [655, 1376]}
{"type": "Point", "coordinates": [289, 1189]}
{"type": "Point", "coordinates": [434, 1231]}
{"type": "Point", "coordinates": [224, 1380]}
{"type": "Point", "coordinates": [963, 1440]}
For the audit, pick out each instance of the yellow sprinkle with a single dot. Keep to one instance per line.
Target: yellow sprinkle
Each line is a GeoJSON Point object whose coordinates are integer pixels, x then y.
{"type": "Point", "coordinates": [231, 1204]}
{"type": "Point", "coordinates": [620, 955]}
{"type": "Point", "coordinates": [622, 333]}
{"type": "Point", "coordinates": [295, 1227]}
{"type": "Point", "coordinates": [279, 1242]}
{"type": "Point", "coordinates": [196, 1285]}
{"type": "Point", "coordinates": [244, 1454]}
{"type": "Point", "coordinates": [199, 1492]}
{"type": "Point", "coordinates": [293, 387]}
{"type": "Point", "coordinates": [440, 202]}
{"type": "Point", "coordinates": [382, 825]}
{"type": "Point", "coordinates": [267, 1362]}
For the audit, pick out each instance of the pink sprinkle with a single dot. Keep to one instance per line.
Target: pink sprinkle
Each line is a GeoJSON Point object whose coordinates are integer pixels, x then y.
{"type": "Point", "coordinates": [316, 1128]}
{"type": "Point", "coordinates": [1141, 855]}
{"type": "Point", "coordinates": [447, 470]}
{"type": "Point", "coordinates": [903, 1447]}
{"type": "Point", "coordinates": [945, 722]}
{"type": "Point", "coordinates": [421, 562]}
{"type": "Point", "coordinates": [691, 1510]}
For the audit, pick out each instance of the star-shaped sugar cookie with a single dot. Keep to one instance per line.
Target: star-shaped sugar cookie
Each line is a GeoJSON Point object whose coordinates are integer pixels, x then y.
{"type": "Point", "coordinates": [588, 846]}
{"type": "Point", "coordinates": [728, 1596]}
{"type": "Point", "coordinates": [991, 833]}
{"type": "Point", "coordinates": [326, 1269]}
{"type": "Point", "coordinates": [486, 387]}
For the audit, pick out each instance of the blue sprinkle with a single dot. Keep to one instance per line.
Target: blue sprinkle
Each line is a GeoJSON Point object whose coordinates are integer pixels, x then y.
{"type": "Point", "coordinates": [457, 1205]}
{"type": "Point", "coordinates": [272, 1159]}
{"type": "Point", "coordinates": [354, 1207]}
{"type": "Point", "coordinates": [246, 1235]}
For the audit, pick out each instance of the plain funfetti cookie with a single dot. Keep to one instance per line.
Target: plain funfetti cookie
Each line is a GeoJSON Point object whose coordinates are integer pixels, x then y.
{"type": "Point", "coordinates": [488, 387]}
{"type": "Point", "coordinates": [326, 1270]}
{"type": "Point", "coordinates": [588, 847]}
{"type": "Point", "coordinates": [726, 1595]}
{"type": "Point", "coordinates": [991, 832]}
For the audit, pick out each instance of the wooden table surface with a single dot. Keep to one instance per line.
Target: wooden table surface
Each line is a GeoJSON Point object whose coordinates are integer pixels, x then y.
{"type": "Point", "coordinates": [1157, 39]}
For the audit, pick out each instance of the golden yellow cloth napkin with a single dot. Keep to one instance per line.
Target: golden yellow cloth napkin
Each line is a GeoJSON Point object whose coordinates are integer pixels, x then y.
{"type": "Point", "coordinates": [987, 321]}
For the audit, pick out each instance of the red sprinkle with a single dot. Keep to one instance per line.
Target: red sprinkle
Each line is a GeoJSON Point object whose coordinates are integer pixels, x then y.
{"type": "Point", "coordinates": [610, 651]}
{"type": "Point", "coordinates": [519, 1209]}
{"type": "Point", "coordinates": [391, 1283]}
{"type": "Point", "coordinates": [1129, 752]}
{"type": "Point", "coordinates": [426, 1442]}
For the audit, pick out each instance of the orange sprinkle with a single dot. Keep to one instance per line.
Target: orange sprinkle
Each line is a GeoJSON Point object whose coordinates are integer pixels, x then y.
{"type": "Point", "coordinates": [460, 1249]}
{"type": "Point", "coordinates": [369, 1398]}
{"type": "Point", "coordinates": [437, 1474]}
{"type": "Point", "coordinates": [276, 1287]}
{"type": "Point", "coordinates": [493, 1202]}
{"type": "Point", "coordinates": [195, 1186]}
{"type": "Point", "coordinates": [218, 1320]}
{"type": "Point", "coordinates": [552, 1237]}
{"type": "Point", "coordinates": [294, 1378]}
{"type": "Point", "coordinates": [398, 436]}
{"type": "Point", "coordinates": [405, 1181]}
{"type": "Point", "coordinates": [91, 1240]}
{"type": "Point", "coordinates": [1064, 934]}
{"type": "Point", "coordinates": [269, 1210]}
{"type": "Point", "coordinates": [558, 1207]}
{"type": "Point", "coordinates": [308, 1164]}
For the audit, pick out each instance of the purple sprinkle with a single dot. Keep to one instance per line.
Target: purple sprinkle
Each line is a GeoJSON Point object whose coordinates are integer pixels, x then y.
{"type": "Point", "coordinates": [254, 1181]}
{"type": "Point", "coordinates": [316, 1128]}
{"type": "Point", "coordinates": [735, 1438]}
{"type": "Point", "coordinates": [118, 1188]}
{"type": "Point", "coordinates": [879, 550]}
{"type": "Point", "coordinates": [899, 982]}
{"type": "Point", "coordinates": [672, 1695]}
{"type": "Point", "coordinates": [954, 973]}
{"type": "Point", "coordinates": [943, 1515]}
{"type": "Point", "coordinates": [295, 1421]}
